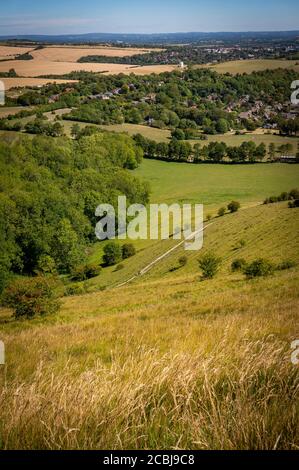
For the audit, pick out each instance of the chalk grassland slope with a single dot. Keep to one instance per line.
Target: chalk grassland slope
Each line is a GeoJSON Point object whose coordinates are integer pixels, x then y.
{"type": "Point", "coordinates": [212, 185]}
{"type": "Point", "coordinates": [248, 66]}
{"type": "Point", "coordinates": [248, 228]}
{"type": "Point", "coordinates": [267, 231]}
{"type": "Point", "coordinates": [166, 363]}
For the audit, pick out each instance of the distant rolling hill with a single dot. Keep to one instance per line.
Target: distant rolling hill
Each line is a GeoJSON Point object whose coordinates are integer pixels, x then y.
{"type": "Point", "coordinates": [159, 38]}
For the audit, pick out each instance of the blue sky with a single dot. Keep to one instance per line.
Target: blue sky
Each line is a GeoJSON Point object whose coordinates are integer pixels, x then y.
{"type": "Point", "coordinates": [151, 16]}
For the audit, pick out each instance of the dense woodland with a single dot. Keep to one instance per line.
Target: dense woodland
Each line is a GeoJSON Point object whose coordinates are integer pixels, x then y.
{"type": "Point", "coordinates": [49, 191]}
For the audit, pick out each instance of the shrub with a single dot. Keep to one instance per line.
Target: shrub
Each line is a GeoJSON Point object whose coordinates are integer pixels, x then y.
{"type": "Point", "coordinates": [221, 211]}
{"type": "Point", "coordinates": [209, 264]}
{"type": "Point", "coordinates": [119, 267]}
{"type": "Point", "coordinates": [294, 203]}
{"type": "Point", "coordinates": [112, 253]}
{"type": "Point", "coordinates": [233, 206]}
{"type": "Point", "coordinates": [238, 264]}
{"type": "Point", "coordinates": [294, 194]}
{"type": "Point", "coordinates": [183, 260]}
{"type": "Point", "coordinates": [209, 216]}
{"type": "Point", "coordinates": [241, 243]}
{"type": "Point", "coordinates": [258, 268]}
{"type": "Point", "coordinates": [31, 297]}
{"type": "Point", "coordinates": [74, 290]}
{"type": "Point", "coordinates": [87, 271]}
{"type": "Point", "coordinates": [283, 196]}
{"type": "Point", "coordinates": [287, 264]}
{"type": "Point", "coordinates": [128, 250]}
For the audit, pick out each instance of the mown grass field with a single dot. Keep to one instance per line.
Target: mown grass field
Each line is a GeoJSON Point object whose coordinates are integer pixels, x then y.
{"type": "Point", "coordinates": [213, 185]}
{"type": "Point", "coordinates": [168, 361]}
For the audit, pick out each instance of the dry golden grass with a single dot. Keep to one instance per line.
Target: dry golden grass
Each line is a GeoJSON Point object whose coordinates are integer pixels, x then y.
{"type": "Point", "coordinates": [168, 364]}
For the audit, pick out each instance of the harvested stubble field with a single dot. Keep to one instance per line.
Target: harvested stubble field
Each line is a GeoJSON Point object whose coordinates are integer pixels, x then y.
{"type": "Point", "coordinates": [11, 51]}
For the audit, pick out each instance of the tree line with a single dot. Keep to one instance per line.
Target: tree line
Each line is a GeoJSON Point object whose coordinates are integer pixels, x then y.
{"type": "Point", "coordinates": [176, 150]}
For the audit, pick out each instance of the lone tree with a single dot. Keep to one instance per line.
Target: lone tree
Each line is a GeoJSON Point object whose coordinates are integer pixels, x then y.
{"type": "Point", "coordinates": [233, 206]}
{"type": "Point", "coordinates": [112, 253]}
{"type": "Point", "coordinates": [209, 264]}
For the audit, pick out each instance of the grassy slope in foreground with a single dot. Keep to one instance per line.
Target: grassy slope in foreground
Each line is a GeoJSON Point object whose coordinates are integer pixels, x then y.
{"type": "Point", "coordinates": [167, 363]}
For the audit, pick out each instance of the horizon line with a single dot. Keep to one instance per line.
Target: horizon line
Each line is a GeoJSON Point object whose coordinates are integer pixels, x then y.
{"type": "Point", "coordinates": [155, 33]}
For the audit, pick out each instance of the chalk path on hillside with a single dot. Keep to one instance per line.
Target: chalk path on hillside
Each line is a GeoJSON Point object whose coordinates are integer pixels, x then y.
{"type": "Point", "coordinates": [156, 260]}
